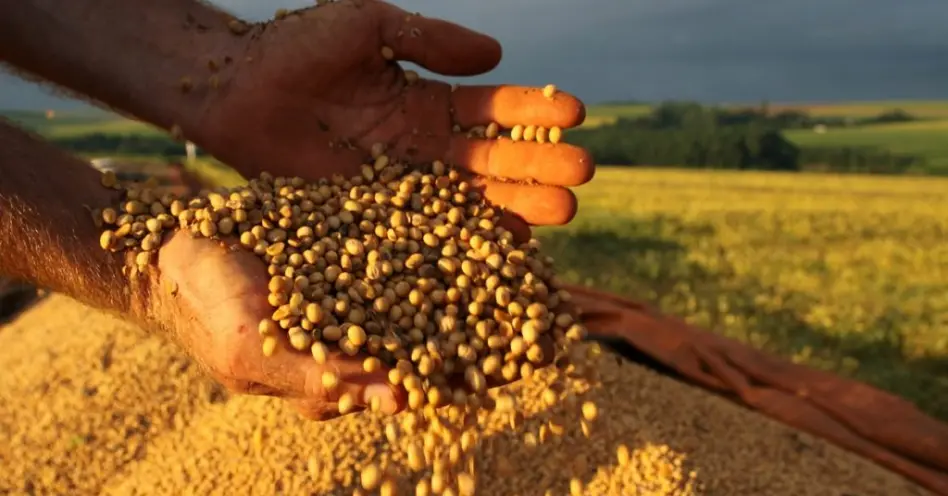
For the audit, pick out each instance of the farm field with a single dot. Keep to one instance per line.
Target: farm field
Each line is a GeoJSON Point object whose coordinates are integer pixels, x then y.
{"type": "Point", "coordinates": [935, 109]}
{"type": "Point", "coordinates": [926, 139]}
{"type": "Point", "coordinates": [927, 109]}
{"type": "Point", "coordinates": [78, 123]}
{"type": "Point", "coordinates": [843, 273]}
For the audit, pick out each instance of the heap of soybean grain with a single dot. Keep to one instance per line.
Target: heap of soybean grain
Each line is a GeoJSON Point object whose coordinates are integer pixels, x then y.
{"type": "Point", "coordinates": [409, 268]}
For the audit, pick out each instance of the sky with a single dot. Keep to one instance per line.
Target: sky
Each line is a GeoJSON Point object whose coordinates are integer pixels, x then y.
{"type": "Point", "coordinates": [707, 50]}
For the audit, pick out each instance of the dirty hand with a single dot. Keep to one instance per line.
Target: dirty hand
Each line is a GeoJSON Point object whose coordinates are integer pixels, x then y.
{"type": "Point", "coordinates": [300, 90]}
{"type": "Point", "coordinates": [212, 299]}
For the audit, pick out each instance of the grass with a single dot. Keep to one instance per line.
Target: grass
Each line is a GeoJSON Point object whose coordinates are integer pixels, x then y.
{"type": "Point", "coordinates": [933, 109]}
{"type": "Point", "coordinates": [598, 115]}
{"type": "Point", "coordinates": [926, 139]}
{"type": "Point", "coordinates": [842, 273]}
{"type": "Point", "coordinates": [89, 121]}
{"type": "Point", "coordinates": [116, 126]}
{"type": "Point", "coordinates": [212, 171]}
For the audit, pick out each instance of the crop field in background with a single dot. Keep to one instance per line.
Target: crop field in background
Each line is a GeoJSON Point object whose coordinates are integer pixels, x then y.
{"type": "Point", "coordinates": [843, 273]}
{"type": "Point", "coordinates": [932, 109]}
{"type": "Point", "coordinates": [935, 110]}
{"type": "Point", "coordinates": [598, 115]}
{"type": "Point", "coordinates": [926, 139]}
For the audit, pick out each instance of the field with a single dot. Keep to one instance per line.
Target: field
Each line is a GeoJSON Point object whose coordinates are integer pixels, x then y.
{"type": "Point", "coordinates": [843, 273]}
{"type": "Point", "coordinates": [934, 110]}
{"type": "Point", "coordinates": [77, 123]}
{"type": "Point", "coordinates": [926, 139]}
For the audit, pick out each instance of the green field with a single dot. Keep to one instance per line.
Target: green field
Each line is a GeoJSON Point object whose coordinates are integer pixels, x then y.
{"type": "Point", "coordinates": [936, 109]}
{"type": "Point", "coordinates": [77, 123]}
{"type": "Point", "coordinates": [843, 273]}
{"type": "Point", "coordinates": [927, 109]}
{"type": "Point", "coordinates": [926, 139]}
{"type": "Point", "coordinates": [598, 115]}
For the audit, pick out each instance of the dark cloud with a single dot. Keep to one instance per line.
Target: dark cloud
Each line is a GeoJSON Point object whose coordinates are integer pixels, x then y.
{"type": "Point", "coordinates": [734, 50]}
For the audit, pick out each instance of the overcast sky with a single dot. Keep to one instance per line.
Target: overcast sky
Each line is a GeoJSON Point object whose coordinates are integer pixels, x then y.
{"type": "Point", "coordinates": [711, 50]}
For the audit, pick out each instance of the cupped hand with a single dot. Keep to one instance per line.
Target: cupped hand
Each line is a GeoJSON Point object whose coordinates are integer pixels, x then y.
{"type": "Point", "coordinates": [211, 296]}
{"type": "Point", "coordinates": [309, 94]}
{"type": "Point", "coordinates": [211, 299]}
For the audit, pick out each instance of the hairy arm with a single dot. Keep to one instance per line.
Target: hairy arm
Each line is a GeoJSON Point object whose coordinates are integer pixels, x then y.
{"type": "Point", "coordinates": [48, 235]}
{"type": "Point", "coordinates": [131, 55]}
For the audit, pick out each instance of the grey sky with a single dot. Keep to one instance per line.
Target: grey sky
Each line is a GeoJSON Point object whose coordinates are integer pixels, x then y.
{"type": "Point", "coordinates": [713, 50]}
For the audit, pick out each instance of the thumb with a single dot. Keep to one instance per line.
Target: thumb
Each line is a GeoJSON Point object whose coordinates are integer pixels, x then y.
{"type": "Point", "coordinates": [438, 46]}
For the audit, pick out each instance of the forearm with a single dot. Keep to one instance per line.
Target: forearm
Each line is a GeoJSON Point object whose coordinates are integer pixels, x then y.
{"type": "Point", "coordinates": [135, 56]}
{"type": "Point", "coordinates": [48, 235]}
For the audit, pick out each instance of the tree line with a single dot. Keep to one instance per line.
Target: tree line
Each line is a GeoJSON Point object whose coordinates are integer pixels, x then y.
{"type": "Point", "coordinates": [679, 134]}
{"type": "Point", "coordinates": [685, 134]}
{"type": "Point", "coordinates": [125, 144]}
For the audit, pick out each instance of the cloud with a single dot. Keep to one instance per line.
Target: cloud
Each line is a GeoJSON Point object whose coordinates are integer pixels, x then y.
{"type": "Point", "coordinates": [705, 49]}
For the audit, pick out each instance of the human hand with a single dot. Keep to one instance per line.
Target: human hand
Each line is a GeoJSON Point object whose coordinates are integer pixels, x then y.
{"type": "Point", "coordinates": [211, 299]}
{"type": "Point", "coordinates": [304, 88]}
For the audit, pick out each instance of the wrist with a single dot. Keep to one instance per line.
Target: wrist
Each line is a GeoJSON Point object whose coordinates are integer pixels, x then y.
{"type": "Point", "coordinates": [52, 238]}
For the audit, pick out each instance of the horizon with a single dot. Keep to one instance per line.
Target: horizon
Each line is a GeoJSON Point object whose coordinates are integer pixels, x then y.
{"type": "Point", "coordinates": [78, 107]}
{"type": "Point", "coordinates": [707, 51]}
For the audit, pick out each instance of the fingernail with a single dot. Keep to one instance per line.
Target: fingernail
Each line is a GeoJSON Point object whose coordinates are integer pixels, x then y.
{"type": "Point", "coordinates": [383, 395]}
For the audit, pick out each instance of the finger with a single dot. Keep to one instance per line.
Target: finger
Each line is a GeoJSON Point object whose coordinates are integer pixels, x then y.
{"type": "Point", "coordinates": [517, 226]}
{"type": "Point", "coordinates": [314, 410]}
{"type": "Point", "coordinates": [296, 374]}
{"type": "Point", "coordinates": [512, 105]}
{"type": "Point", "coordinates": [439, 46]}
{"type": "Point", "coordinates": [536, 205]}
{"type": "Point", "coordinates": [546, 163]}
{"type": "Point", "coordinates": [363, 387]}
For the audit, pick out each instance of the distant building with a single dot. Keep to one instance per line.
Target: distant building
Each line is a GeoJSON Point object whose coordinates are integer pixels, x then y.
{"type": "Point", "coordinates": [191, 151]}
{"type": "Point", "coordinates": [819, 129]}
{"type": "Point", "coordinates": [103, 164]}
{"type": "Point", "coordinates": [50, 114]}
{"type": "Point", "coordinates": [172, 175]}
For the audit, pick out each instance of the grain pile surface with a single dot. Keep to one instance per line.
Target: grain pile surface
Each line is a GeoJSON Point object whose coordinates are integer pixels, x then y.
{"type": "Point", "coordinates": [91, 405]}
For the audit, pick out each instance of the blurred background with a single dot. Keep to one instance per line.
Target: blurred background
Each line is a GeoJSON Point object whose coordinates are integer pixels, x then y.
{"type": "Point", "coordinates": [709, 50]}
{"type": "Point", "coordinates": [772, 171]}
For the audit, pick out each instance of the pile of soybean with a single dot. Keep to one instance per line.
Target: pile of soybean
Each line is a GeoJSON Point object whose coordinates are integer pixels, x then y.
{"type": "Point", "coordinates": [411, 269]}
{"type": "Point", "coordinates": [92, 405]}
